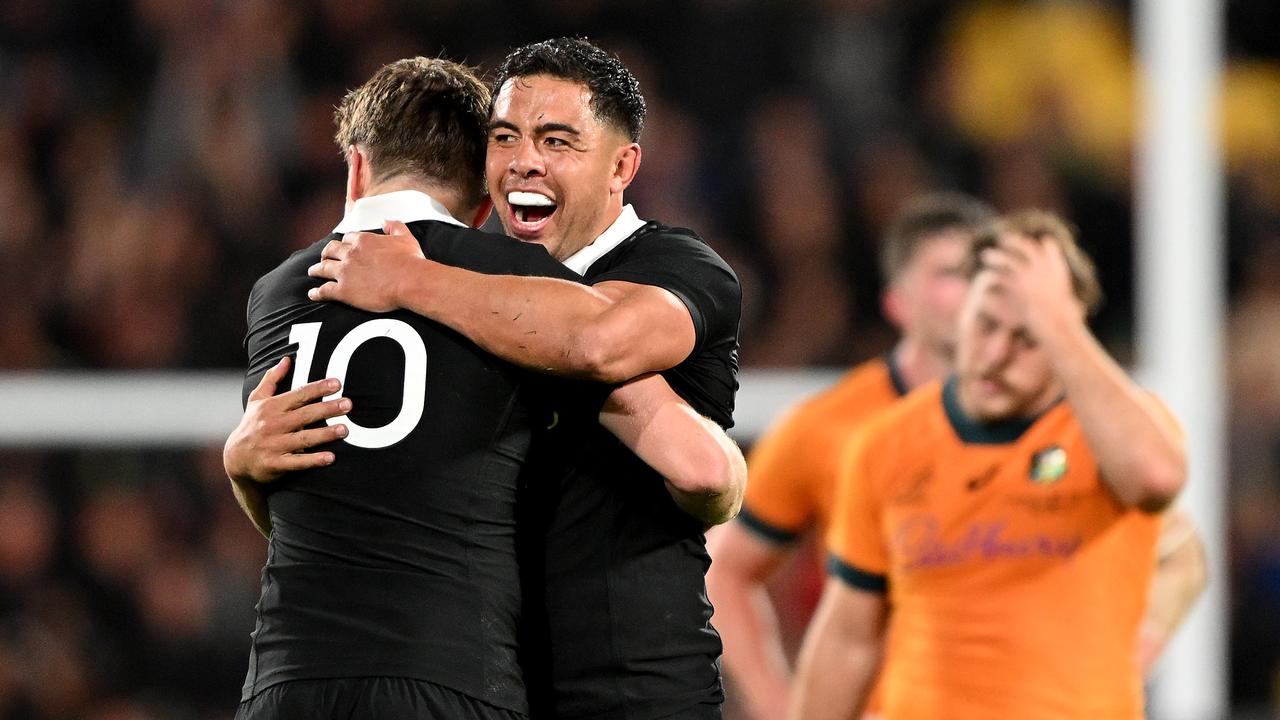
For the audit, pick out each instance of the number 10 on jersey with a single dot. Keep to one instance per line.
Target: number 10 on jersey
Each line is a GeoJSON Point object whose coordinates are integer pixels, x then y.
{"type": "Point", "coordinates": [306, 336]}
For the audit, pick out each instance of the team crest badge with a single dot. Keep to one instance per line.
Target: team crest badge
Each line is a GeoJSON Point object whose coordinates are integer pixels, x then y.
{"type": "Point", "coordinates": [1048, 466]}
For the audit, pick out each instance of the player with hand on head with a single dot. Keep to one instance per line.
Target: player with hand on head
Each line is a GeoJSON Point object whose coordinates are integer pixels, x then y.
{"type": "Point", "coordinates": [1003, 520]}
{"type": "Point", "coordinates": [793, 467]}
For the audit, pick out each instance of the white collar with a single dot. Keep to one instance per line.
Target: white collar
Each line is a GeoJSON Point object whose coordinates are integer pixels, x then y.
{"type": "Point", "coordinates": [369, 212]}
{"type": "Point", "coordinates": [621, 229]}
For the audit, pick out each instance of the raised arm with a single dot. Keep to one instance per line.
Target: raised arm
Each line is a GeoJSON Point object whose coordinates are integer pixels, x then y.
{"type": "Point", "coordinates": [610, 332]}
{"type": "Point", "coordinates": [840, 658]}
{"type": "Point", "coordinates": [704, 469]}
{"type": "Point", "coordinates": [1140, 450]}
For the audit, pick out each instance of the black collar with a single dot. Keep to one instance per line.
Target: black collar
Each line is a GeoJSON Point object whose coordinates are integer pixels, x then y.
{"type": "Point", "coordinates": [973, 432]}
{"type": "Point", "coordinates": [895, 375]}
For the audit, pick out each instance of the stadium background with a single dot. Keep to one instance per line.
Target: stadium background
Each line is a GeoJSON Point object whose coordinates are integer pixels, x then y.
{"type": "Point", "coordinates": [161, 154]}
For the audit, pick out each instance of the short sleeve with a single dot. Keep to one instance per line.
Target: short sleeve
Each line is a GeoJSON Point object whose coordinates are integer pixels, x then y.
{"type": "Point", "coordinates": [688, 268]}
{"type": "Point", "coordinates": [783, 467]}
{"type": "Point", "coordinates": [858, 553]}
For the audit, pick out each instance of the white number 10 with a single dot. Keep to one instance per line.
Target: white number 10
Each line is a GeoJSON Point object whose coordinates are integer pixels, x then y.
{"type": "Point", "coordinates": [415, 375]}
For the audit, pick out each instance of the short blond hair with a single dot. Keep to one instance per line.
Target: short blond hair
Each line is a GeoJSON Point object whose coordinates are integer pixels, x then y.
{"type": "Point", "coordinates": [421, 116]}
{"type": "Point", "coordinates": [1042, 226]}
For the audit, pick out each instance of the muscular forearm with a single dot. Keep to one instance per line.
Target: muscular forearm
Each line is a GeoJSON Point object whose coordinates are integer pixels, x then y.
{"type": "Point", "coordinates": [703, 468]}
{"type": "Point", "coordinates": [754, 659]}
{"type": "Point", "coordinates": [710, 481]}
{"type": "Point", "coordinates": [841, 655]}
{"type": "Point", "coordinates": [834, 679]}
{"type": "Point", "coordinates": [1138, 446]}
{"type": "Point", "coordinates": [254, 504]}
{"type": "Point", "coordinates": [753, 655]}
{"type": "Point", "coordinates": [540, 323]}
{"type": "Point", "coordinates": [1180, 577]}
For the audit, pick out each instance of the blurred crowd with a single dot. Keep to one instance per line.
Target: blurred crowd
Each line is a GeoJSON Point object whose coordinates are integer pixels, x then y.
{"type": "Point", "coordinates": [162, 154]}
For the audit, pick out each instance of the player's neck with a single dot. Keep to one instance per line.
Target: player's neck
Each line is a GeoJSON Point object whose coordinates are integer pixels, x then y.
{"type": "Point", "coordinates": [450, 199]}
{"type": "Point", "coordinates": [917, 364]}
{"type": "Point", "coordinates": [610, 216]}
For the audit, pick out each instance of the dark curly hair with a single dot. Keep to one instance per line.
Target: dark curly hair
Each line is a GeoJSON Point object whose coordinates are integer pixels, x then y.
{"type": "Point", "coordinates": [615, 93]}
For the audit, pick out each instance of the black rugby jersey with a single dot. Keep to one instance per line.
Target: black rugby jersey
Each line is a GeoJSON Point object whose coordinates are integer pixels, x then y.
{"type": "Point", "coordinates": [621, 629]}
{"type": "Point", "coordinates": [399, 558]}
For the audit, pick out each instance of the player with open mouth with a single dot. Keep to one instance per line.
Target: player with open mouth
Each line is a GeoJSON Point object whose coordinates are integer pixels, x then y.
{"type": "Point", "coordinates": [529, 212]}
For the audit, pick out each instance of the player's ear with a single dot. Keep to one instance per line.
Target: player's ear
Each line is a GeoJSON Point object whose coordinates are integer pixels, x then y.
{"type": "Point", "coordinates": [482, 212]}
{"type": "Point", "coordinates": [357, 168]}
{"type": "Point", "coordinates": [626, 163]}
{"type": "Point", "coordinates": [894, 306]}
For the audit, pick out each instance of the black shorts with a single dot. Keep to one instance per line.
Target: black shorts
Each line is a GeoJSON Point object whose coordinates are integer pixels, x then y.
{"type": "Point", "coordinates": [373, 698]}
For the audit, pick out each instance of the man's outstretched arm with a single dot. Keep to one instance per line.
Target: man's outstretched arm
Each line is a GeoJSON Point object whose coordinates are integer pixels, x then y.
{"type": "Point", "coordinates": [609, 332]}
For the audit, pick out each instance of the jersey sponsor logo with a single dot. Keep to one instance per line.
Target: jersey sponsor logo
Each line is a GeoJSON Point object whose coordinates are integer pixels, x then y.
{"type": "Point", "coordinates": [1053, 503]}
{"type": "Point", "coordinates": [981, 480]}
{"type": "Point", "coordinates": [921, 545]}
{"type": "Point", "coordinates": [1048, 466]}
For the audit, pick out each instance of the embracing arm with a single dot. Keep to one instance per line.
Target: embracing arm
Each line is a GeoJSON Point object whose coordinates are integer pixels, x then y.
{"type": "Point", "coordinates": [704, 469]}
{"type": "Point", "coordinates": [840, 658]}
{"type": "Point", "coordinates": [271, 435]}
{"type": "Point", "coordinates": [253, 503]}
{"type": "Point", "coordinates": [610, 332]}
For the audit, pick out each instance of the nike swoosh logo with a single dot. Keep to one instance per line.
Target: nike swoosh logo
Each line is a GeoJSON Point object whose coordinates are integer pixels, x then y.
{"type": "Point", "coordinates": [980, 481]}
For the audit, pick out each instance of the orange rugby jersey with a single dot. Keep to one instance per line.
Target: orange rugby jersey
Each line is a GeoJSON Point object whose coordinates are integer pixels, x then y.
{"type": "Point", "coordinates": [1016, 581]}
{"type": "Point", "coordinates": [793, 467]}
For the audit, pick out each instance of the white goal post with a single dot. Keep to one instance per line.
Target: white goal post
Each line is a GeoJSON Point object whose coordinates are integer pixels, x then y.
{"type": "Point", "coordinates": [177, 409]}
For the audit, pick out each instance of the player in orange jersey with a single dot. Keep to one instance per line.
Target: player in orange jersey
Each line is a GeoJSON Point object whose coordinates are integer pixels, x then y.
{"type": "Point", "coordinates": [1002, 521]}
{"type": "Point", "coordinates": [793, 468]}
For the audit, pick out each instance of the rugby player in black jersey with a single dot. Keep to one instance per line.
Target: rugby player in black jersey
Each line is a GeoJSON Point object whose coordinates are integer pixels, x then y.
{"type": "Point", "coordinates": [624, 608]}
{"type": "Point", "coordinates": [391, 587]}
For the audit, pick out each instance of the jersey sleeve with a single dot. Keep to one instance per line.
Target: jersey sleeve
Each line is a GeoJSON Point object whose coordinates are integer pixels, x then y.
{"type": "Point", "coordinates": [783, 467]}
{"type": "Point", "coordinates": [693, 272]}
{"type": "Point", "coordinates": [277, 300]}
{"type": "Point", "coordinates": [858, 553]}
